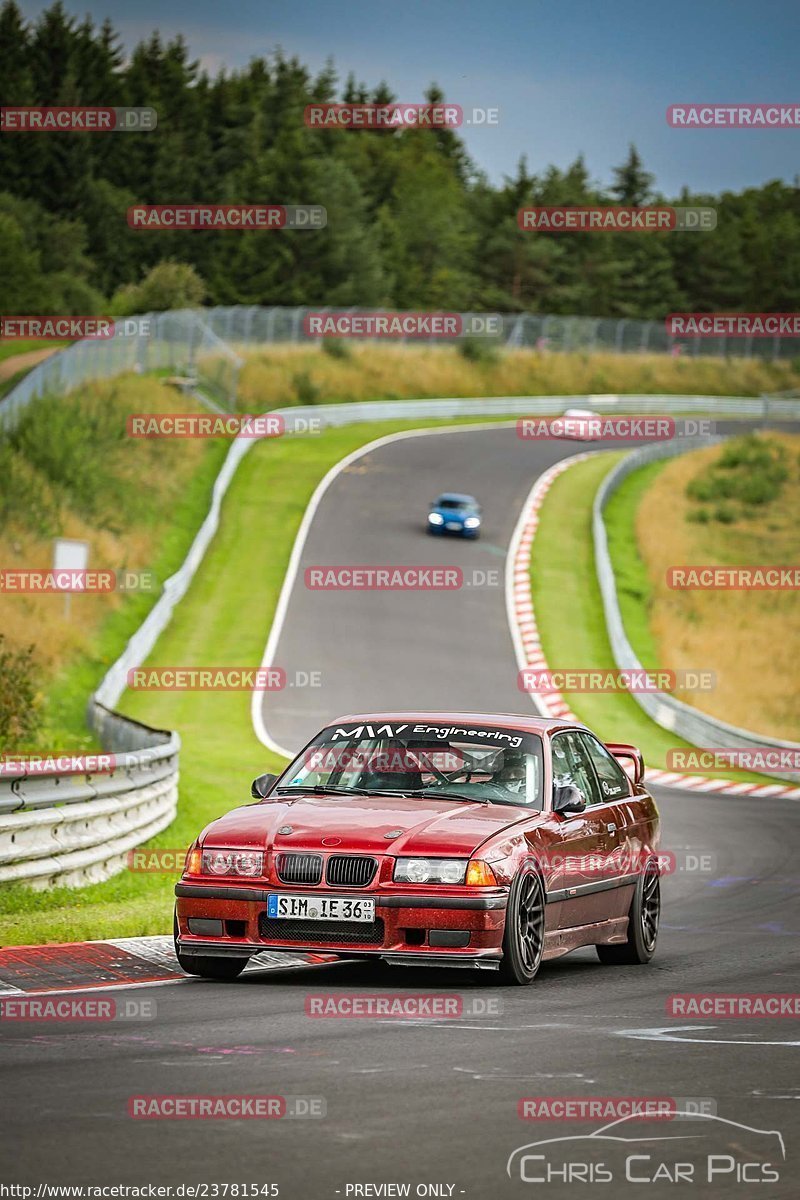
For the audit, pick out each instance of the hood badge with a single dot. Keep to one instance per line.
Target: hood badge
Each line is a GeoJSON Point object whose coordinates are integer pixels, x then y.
{"type": "Point", "coordinates": [331, 841]}
{"type": "Point", "coordinates": [286, 829]}
{"type": "Point", "coordinates": [393, 833]}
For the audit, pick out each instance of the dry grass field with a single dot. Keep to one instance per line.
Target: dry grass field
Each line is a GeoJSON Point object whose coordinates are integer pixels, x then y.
{"type": "Point", "coordinates": [751, 639]}
{"type": "Point", "coordinates": [277, 376]}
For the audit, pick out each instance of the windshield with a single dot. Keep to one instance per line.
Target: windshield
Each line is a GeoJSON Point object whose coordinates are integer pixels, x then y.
{"type": "Point", "coordinates": [476, 763]}
{"type": "Point", "coordinates": [453, 504]}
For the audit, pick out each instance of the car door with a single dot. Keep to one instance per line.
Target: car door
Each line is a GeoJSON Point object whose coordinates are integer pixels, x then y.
{"type": "Point", "coordinates": [585, 842]}
{"type": "Point", "coordinates": [617, 810]}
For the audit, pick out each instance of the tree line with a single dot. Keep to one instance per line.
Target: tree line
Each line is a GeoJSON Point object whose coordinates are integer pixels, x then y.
{"type": "Point", "coordinates": [412, 221]}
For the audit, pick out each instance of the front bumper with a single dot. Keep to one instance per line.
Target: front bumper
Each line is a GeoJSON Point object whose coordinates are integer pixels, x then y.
{"type": "Point", "coordinates": [456, 930]}
{"type": "Point", "coordinates": [461, 531]}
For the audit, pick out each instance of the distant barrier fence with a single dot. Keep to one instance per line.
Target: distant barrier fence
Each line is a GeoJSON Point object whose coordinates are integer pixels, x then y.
{"type": "Point", "coordinates": [77, 830]}
{"type": "Point", "coordinates": [255, 325]}
{"type": "Point", "coordinates": [201, 345]}
{"type": "Point", "coordinates": [181, 341]}
{"type": "Point", "coordinates": [687, 722]}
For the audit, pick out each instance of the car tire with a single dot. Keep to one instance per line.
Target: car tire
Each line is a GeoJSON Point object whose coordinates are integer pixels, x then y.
{"type": "Point", "coordinates": [523, 937]}
{"type": "Point", "coordinates": [208, 966]}
{"type": "Point", "coordinates": [643, 920]}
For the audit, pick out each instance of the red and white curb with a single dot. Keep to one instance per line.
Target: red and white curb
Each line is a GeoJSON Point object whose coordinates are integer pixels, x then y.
{"type": "Point", "coordinates": [132, 962]}
{"type": "Point", "coordinates": [528, 646]}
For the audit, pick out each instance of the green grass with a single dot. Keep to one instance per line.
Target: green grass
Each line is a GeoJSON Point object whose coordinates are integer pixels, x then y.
{"type": "Point", "coordinates": [569, 609]}
{"type": "Point", "coordinates": [223, 620]}
{"type": "Point", "coordinates": [633, 582]}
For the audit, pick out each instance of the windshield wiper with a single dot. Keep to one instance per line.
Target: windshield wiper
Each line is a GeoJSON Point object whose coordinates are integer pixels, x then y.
{"type": "Point", "coordinates": [427, 792]}
{"type": "Point", "coordinates": [321, 789]}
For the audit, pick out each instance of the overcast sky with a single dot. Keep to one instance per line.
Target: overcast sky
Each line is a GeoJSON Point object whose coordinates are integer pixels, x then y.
{"type": "Point", "coordinates": [568, 76]}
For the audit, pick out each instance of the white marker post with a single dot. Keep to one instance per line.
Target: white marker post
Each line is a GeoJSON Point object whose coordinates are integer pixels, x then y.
{"type": "Point", "coordinates": [69, 555]}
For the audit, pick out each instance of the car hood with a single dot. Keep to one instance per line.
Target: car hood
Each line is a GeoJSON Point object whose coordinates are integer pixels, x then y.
{"type": "Point", "coordinates": [454, 514]}
{"type": "Point", "coordinates": [362, 824]}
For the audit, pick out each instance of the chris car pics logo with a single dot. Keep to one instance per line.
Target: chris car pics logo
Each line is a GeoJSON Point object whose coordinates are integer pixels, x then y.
{"type": "Point", "coordinates": [704, 1149]}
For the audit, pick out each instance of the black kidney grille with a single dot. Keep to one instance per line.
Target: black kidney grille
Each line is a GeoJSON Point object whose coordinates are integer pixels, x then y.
{"type": "Point", "coordinates": [360, 933]}
{"type": "Point", "coordinates": [350, 870]}
{"type": "Point", "coordinates": [299, 868]}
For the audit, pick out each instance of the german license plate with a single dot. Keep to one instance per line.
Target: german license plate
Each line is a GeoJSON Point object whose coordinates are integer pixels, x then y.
{"type": "Point", "coordinates": [320, 908]}
{"type": "Point", "coordinates": [453, 525]}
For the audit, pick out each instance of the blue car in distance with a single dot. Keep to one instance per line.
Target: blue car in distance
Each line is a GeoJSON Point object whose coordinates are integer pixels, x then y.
{"type": "Point", "coordinates": [455, 513]}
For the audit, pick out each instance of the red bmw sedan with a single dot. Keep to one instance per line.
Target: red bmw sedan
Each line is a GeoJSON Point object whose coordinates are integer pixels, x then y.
{"type": "Point", "coordinates": [449, 839]}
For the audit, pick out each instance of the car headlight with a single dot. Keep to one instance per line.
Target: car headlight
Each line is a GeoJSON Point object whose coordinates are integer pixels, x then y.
{"type": "Point", "coordinates": [436, 519]}
{"type": "Point", "coordinates": [232, 862]}
{"type": "Point", "coordinates": [430, 870]}
{"type": "Point", "coordinates": [472, 522]}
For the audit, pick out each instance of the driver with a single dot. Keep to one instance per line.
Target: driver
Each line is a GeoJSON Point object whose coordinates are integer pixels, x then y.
{"type": "Point", "coordinates": [511, 774]}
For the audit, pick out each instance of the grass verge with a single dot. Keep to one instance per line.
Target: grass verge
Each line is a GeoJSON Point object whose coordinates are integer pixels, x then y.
{"type": "Point", "coordinates": [308, 375]}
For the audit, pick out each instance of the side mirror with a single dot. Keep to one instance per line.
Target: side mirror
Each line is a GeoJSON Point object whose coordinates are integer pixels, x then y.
{"type": "Point", "coordinates": [568, 799]}
{"type": "Point", "coordinates": [261, 786]}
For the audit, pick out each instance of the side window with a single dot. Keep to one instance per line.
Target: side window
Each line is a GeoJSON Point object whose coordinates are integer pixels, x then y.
{"type": "Point", "coordinates": [613, 780]}
{"type": "Point", "coordinates": [571, 765]}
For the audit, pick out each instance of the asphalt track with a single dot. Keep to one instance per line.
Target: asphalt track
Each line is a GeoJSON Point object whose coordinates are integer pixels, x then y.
{"type": "Point", "coordinates": [434, 1101]}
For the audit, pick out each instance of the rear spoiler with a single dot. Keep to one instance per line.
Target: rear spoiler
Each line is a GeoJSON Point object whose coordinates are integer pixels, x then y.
{"type": "Point", "coordinates": [629, 755]}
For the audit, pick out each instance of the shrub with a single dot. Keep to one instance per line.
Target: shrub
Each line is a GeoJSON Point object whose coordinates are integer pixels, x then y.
{"type": "Point", "coordinates": [306, 390]}
{"type": "Point", "coordinates": [751, 470]}
{"type": "Point", "coordinates": [337, 348]}
{"type": "Point", "coordinates": [19, 702]}
{"type": "Point", "coordinates": [479, 350]}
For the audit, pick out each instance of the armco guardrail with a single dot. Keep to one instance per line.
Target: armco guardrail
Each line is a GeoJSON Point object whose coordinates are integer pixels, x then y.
{"type": "Point", "coordinates": [73, 829]}
{"type": "Point", "coordinates": [689, 723]}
